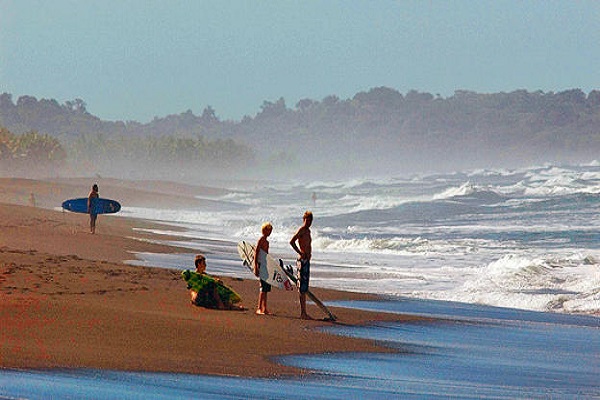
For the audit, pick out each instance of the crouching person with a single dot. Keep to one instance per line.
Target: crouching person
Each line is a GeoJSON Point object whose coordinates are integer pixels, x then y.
{"type": "Point", "coordinates": [209, 292]}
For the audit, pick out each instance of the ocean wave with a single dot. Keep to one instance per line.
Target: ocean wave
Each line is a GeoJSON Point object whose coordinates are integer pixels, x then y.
{"type": "Point", "coordinates": [559, 284]}
{"type": "Point", "coordinates": [398, 245]}
{"type": "Point", "coordinates": [555, 183]}
{"type": "Point", "coordinates": [357, 203]}
{"type": "Point", "coordinates": [470, 191]}
{"type": "Point", "coordinates": [503, 172]}
{"type": "Point", "coordinates": [367, 245]}
{"type": "Point", "coordinates": [562, 186]}
{"type": "Point", "coordinates": [497, 237]}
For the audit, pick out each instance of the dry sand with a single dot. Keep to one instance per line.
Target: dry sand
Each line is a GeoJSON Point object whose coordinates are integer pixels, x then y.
{"type": "Point", "coordinates": [67, 300]}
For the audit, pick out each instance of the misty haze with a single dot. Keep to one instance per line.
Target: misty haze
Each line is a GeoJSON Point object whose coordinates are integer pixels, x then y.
{"type": "Point", "coordinates": [380, 132]}
{"type": "Point", "coordinates": [448, 152]}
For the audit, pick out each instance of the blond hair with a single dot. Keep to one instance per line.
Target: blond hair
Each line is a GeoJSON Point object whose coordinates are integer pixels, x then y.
{"type": "Point", "coordinates": [266, 226]}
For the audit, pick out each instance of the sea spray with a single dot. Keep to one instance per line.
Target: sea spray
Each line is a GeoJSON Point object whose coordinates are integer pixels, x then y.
{"type": "Point", "coordinates": [524, 238]}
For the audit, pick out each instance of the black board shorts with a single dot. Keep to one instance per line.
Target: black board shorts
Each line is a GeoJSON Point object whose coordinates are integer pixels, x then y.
{"type": "Point", "coordinates": [265, 287]}
{"type": "Point", "coordinates": [303, 275]}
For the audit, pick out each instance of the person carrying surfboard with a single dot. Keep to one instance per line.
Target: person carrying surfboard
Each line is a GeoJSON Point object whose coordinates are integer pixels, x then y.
{"type": "Point", "coordinates": [91, 209]}
{"type": "Point", "coordinates": [260, 261]}
{"type": "Point", "coordinates": [304, 249]}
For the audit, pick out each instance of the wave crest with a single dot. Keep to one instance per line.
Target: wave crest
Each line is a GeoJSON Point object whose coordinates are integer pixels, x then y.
{"type": "Point", "coordinates": [469, 190]}
{"type": "Point", "coordinates": [544, 284]}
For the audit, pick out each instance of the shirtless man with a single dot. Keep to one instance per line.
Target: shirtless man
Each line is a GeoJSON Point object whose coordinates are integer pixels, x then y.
{"type": "Point", "coordinates": [304, 249]}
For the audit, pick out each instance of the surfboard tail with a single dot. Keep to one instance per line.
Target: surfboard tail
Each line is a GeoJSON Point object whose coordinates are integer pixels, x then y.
{"type": "Point", "coordinates": [289, 271]}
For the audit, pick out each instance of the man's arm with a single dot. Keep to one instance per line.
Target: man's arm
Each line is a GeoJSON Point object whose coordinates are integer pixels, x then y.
{"type": "Point", "coordinates": [294, 240]}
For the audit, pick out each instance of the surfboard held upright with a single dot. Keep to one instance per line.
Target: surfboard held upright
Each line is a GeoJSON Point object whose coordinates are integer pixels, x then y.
{"type": "Point", "coordinates": [271, 273]}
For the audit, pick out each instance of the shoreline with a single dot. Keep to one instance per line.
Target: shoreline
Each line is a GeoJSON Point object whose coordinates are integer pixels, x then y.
{"type": "Point", "coordinates": [67, 300]}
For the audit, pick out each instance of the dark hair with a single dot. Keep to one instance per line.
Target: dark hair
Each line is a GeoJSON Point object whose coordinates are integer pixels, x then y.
{"type": "Point", "coordinates": [199, 259]}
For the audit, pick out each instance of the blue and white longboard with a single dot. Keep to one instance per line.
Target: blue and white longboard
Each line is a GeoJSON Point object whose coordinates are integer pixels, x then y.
{"type": "Point", "coordinates": [99, 205]}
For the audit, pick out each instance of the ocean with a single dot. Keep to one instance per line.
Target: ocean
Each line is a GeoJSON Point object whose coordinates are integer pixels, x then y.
{"type": "Point", "coordinates": [508, 261]}
{"type": "Point", "coordinates": [526, 239]}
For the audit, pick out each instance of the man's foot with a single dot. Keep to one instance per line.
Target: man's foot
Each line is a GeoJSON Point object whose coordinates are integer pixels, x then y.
{"type": "Point", "coordinates": [306, 316]}
{"type": "Point", "coordinates": [260, 312]}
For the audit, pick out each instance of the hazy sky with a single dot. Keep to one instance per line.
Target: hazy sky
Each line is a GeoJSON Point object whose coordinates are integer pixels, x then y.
{"type": "Point", "coordinates": [136, 59]}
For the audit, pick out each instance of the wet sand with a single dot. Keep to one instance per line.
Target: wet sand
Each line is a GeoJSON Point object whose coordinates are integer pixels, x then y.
{"type": "Point", "coordinates": [68, 300]}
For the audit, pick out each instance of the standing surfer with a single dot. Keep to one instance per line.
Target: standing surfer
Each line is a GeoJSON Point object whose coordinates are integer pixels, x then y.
{"type": "Point", "coordinates": [91, 207]}
{"type": "Point", "coordinates": [304, 249]}
{"type": "Point", "coordinates": [261, 262]}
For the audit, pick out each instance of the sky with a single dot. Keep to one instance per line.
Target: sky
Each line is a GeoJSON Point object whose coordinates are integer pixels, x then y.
{"type": "Point", "coordinates": [140, 59]}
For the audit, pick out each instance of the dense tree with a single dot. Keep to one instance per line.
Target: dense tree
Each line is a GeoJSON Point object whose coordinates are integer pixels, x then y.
{"type": "Point", "coordinates": [29, 153]}
{"type": "Point", "coordinates": [593, 99]}
{"type": "Point", "coordinates": [381, 125]}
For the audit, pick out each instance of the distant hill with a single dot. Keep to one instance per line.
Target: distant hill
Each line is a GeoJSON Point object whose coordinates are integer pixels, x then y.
{"type": "Point", "coordinates": [377, 130]}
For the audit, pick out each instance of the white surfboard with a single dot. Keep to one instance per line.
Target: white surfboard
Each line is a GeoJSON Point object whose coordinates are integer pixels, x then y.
{"type": "Point", "coordinates": [270, 271]}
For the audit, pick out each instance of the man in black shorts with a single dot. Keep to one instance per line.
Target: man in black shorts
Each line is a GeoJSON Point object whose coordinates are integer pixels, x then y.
{"type": "Point", "coordinates": [304, 249]}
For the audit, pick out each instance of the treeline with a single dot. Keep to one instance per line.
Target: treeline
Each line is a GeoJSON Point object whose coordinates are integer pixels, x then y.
{"type": "Point", "coordinates": [34, 154]}
{"type": "Point", "coordinates": [72, 119]}
{"type": "Point", "coordinates": [161, 156]}
{"type": "Point", "coordinates": [467, 129]}
{"type": "Point", "coordinates": [92, 146]}
{"type": "Point", "coordinates": [379, 127]}
{"type": "Point", "coordinates": [30, 152]}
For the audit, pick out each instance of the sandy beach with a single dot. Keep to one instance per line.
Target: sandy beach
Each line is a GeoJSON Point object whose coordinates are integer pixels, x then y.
{"type": "Point", "coordinates": [107, 316]}
{"type": "Point", "coordinates": [68, 300]}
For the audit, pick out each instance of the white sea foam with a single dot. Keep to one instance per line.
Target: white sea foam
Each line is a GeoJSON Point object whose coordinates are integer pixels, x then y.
{"type": "Point", "coordinates": [400, 246]}
{"type": "Point", "coordinates": [463, 190]}
{"type": "Point", "coordinates": [569, 284]}
{"type": "Point", "coordinates": [516, 238]}
{"type": "Point", "coordinates": [466, 190]}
